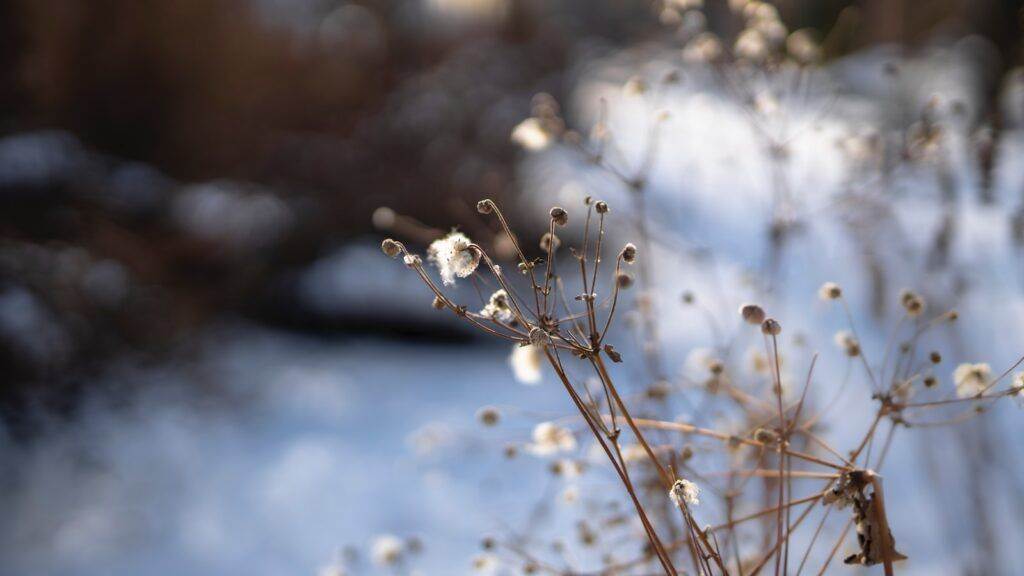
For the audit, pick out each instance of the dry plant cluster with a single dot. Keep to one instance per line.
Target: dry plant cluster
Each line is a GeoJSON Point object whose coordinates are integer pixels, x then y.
{"type": "Point", "coordinates": [780, 460]}
{"type": "Point", "coordinates": [764, 492]}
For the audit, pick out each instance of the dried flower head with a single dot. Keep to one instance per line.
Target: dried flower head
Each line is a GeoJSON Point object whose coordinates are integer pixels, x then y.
{"type": "Point", "coordinates": [497, 307]}
{"type": "Point", "coordinates": [455, 256]}
{"type": "Point", "coordinates": [752, 314]}
{"type": "Point", "coordinates": [848, 342]}
{"type": "Point", "coordinates": [559, 216]}
{"type": "Point", "coordinates": [488, 416]}
{"type": "Point", "coordinates": [703, 48]}
{"type": "Point", "coordinates": [684, 492]}
{"type": "Point", "coordinates": [549, 242]}
{"type": "Point", "coordinates": [847, 490]}
{"type": "Point", "coordinates": [629, 253]}
{"type": "Point", "coordinates": [414, 544]}
{"type": "Point", "coordinates": [971, 379]}
{"type": "Point", "coordinates": [1018, 387]}
{"type": "Point", "coordinates": [935, 357]}
{"type": "Point", "coordinates": [830, 291]}
{"type": "Point", "coordinates": [386, 550]}
{"type": "Point", "coordinates": [912, 303]}
{"type": "Point", "coordinates": [484, 206]}
{"type": "Point", "coordinates": [623, 280]}
{"type": "Point", "coordinates": [527, 363]}
{"type": "Point", "coordinates": [803, 47]}
{"type": "Point", "coordinates": [549, 438]}
{"type": "Point", "coordinates": [635, 86]}
{"type": "Point", "coordinates": [771, 327]}
{"type": "Point", "coordinates": [751, 45]}
{"type": "Point", "coordinates": [485, 564]}
{"type": "Point", "coordinates": [601, 207]}
{"type": "Point", "coordinates": [391, 247]}
{"type": "Point", "coordinates": [766, 436]}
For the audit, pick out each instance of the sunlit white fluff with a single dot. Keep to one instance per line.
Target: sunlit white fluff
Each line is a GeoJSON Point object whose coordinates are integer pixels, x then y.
{"type": "Point", "coordinates": [497, 307]}
{"type": "Point", "coordinates": [531, 135]}
{"type": "Point", "coordinates": [454, 257]}
{"type": "Point", "coordinates": [684, 492]}
{"type": "Point", "coordinates": [971, 379]}
{"type": "Point", "coordinates": [549, 438]}
{"type": "Point", "coordinates": [386, 550]}
{"type": "Point", "coordinates": [527, 363]}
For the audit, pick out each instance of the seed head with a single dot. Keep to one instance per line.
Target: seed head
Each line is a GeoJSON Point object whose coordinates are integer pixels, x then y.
{"type": "Point", "coordinates": [455, 256]}
{"type": "Point", "coordinates": [488, 416]}
{"type": "Point", "coordinates": [559, 216]}
{"type": "Point", "coordinates": [386, 550]}
{"type": "Point", "coordinates": [752, 314]}
{"type": "Point", "coordinates": [549, 242]}
{"type": "Point", "coordinates": [848, 342]}
{"type": "Point", "coordinates": [549, 438]}
{"type": "Point", "coordinates": [485, 564]}
{"type": "Point", "coordinates": [484, 207]}
{"type": "Point", "coordinates": [766, 436]}
{"type": "Point", "coordinates": [635, 86]}
{"type": "Point", "coordinates": [629, 253]}
{"type": "Point", "coordinates": [971, 379]}
{"type": "Point", "coordinates": [715, 366]}
{"type": "Point", "coordinates": [612, 353]}
{"type": "Point", "coordinates": [391, 247]}
{"type": "Point", "coordinates": [935, 357]}
{"type": "Point", "coordinates": [705, 47]}
{"type": "Point", "coordinates": [527, 363]}
{"type": "Point", "coordinates": [1018, 385]}
{"type": "Point", "coordinates": [771, 327]}
{"type": "Point", "coordinates": [912, 303]}
{"type": "Point", "coordinates": [498, 308]}
{"type": "Point", "coordinates": [601, 207]}
{"type": "Point", "coordinates": [684, 492]}
{"type": "Point", "coordinates": [623, 280]}
{"type": "Point", "coordinates": [830, 291]}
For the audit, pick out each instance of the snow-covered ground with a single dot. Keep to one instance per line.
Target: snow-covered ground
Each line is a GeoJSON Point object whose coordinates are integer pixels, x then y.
{"type": "Point", "coordinates": [296, 449]}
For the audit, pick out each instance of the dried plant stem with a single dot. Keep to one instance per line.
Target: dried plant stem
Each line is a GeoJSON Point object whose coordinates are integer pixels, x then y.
{"type": "Point", "coordinates": [663, 556]}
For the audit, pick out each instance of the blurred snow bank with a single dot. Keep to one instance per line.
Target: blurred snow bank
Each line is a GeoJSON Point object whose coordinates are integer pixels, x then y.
{"type": "Point", "coordinates": [295, 450]}
{"type": "Point", "coordinates": [239, 216]}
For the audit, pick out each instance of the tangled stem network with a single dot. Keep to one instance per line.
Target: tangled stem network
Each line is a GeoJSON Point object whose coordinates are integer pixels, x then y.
{"type": "Point", "coordinates": [540, 318]}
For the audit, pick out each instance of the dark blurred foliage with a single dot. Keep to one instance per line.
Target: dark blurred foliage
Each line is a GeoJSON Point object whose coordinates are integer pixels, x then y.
{"type": "Point", "coordinates": [166, 163]}
{"type": "Point", "coordinates": [294, 132]}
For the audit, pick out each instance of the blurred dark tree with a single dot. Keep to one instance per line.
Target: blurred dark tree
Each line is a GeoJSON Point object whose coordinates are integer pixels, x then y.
{"type": "Point", "coordinates": [113, 111]}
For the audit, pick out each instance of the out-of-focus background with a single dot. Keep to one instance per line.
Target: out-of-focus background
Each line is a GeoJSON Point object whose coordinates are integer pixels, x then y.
{"type": "Point", "coordinates": [207, 366]}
